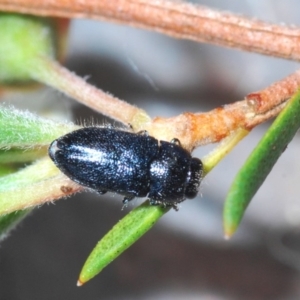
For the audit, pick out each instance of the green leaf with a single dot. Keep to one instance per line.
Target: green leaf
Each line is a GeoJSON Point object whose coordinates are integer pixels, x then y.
{"type": "Point", "coordinates": [25, 136]}
{"type": "Point", "coordinates": [9, 221]}
{"type": "Point", "coordinates": [120, 237]}
{"type": "Point", "coordinates": [21, 156]}
{"type": "Point", "coordinates": [29, 186]}
{"type": "Point", "coordinates": [214, 157]}
{"type": "Point", "coordinates": [22, 129]}
{"type": "Point", "coordinates": [23, 39]}
{"type": "Point", "coordinates": [5, 170]}
{"type": "Point", "coordinates": [260, 163]}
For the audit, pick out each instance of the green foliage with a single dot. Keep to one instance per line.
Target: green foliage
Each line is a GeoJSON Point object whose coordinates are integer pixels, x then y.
{"type": "Point", "coordinates": [23, 39]}
{"type": "Point", "coordinates": [24, 130]}
{"type": "Point", "coordinates": [126, 232]}
{"type": "Point", "coordinates": [27, 51]}
{"type": "Point", "coordinates": [260, 163]}
{"type": "Point", "coordinates": [25, 136]}
{"type": "Point", "coordinates": [9, 221]}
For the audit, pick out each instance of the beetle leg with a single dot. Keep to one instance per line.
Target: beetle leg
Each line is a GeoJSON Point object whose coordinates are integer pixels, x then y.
{"type": "Point", "coordinates": [127, 199]}
{"type": "Point", "coordinates": [175, 206]}
{"type": "Point", "coordinates": [176, 142]}
{"type": "Point", "coordinates": [143, 132]}
{"type": "Point", "coordinates": [101, 192]}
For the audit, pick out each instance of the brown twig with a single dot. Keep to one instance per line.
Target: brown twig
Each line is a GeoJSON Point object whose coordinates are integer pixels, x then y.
{"type": "Point", "coordinates": [177, 19]}
{"type": "Point", "coordinates": [199, 129]}
{"type": "Point", "coordinates": [276, 93]}
{"type": "Point", "coordinates": [191, 129]}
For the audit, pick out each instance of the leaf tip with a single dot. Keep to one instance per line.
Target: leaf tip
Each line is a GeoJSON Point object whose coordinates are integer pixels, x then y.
{"type": "Point", "coordinates": [229, 231]}
{"type": "Point", "coordinates": [227, 236]}
{"type": "Point", "coordinates": [80, 283]}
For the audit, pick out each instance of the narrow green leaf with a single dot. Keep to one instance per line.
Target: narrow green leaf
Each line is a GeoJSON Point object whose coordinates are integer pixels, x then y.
{"type": "Point", "coordinates": [26, 137]}
{"type": "Point", "coordinates": [214, 157]}
{"type": "Point", "coordinates": [27, 187]}
{"type": "Point", "coordinates": [9, 221]}
{"type": "Point", "coordinates": [6, 169]}
{"type": "Point", "coordinates": [23, 39]}
{"type": "Point", "coordinates": [36, 172]}
{"type": "Point", "coordinates": [21, 155]}
{"type": "Point", "coordinates": [22, 129]}
{"type": "Point", "coordinates": [260, 163]}
{"type": "Point", "coordinates": [119, 238]}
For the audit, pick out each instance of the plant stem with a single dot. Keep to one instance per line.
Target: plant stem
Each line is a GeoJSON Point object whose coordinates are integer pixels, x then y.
{"type": "Point", "coordinates": [177, 19]}
{"type": "Point", "coordinates": [34, 185]}
{"type": "Point", "coordinates": [198, 129]}
{"type": "Point", "coordinates": [55, 75]}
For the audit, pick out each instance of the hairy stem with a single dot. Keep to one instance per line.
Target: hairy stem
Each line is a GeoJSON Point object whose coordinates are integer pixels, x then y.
{"type": "Point", "coordinates": [55, 75]}
{"type": "Point", "coordinates": [177, 19]}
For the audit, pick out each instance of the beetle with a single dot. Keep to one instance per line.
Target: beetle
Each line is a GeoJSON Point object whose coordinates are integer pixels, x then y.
{"type": "Point", "coordinates": [130, 164]}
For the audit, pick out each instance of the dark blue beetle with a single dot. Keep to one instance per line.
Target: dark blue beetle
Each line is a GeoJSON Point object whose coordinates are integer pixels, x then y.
{"type": "Point", "coordinates": [131, 164]}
